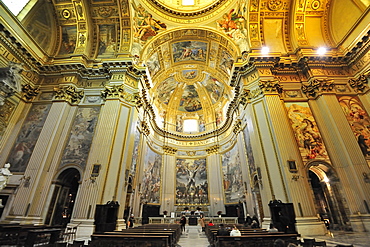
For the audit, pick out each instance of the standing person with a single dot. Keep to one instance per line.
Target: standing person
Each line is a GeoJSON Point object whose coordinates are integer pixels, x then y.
{"type": "Point", "coordinates": [235, 231]}
{"type": "Point", "coordinates": [202, 223]}
{"type": "Point", "coordinates": [183, 223]}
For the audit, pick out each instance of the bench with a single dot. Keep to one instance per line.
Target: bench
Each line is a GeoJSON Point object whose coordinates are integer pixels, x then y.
{"type": "Point", "coordinates": [113, 240]}
{"type": "Point", "coordinates": [254, 240]}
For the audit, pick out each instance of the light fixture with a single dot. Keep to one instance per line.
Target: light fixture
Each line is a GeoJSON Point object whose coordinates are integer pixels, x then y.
{"type": "Point", "coordinates": [265, 50]}
{"type": "Point", "coordinates": [326, 180]}
{"type": "Point", "coordinates": [321, 51]}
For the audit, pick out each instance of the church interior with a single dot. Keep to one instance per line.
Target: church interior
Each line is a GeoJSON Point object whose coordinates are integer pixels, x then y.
{"type": "Point", "coordinates": [163, 106]}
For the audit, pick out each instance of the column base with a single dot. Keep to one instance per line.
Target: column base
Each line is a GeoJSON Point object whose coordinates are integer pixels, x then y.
{"type": "Point", "coordinates": [22, 220]}
{"type": "Point", "coordinates": [121, 224]}
{"type": "Point", "coordinates": [309, 226]}
{"type": "Point", "coordinates": [85, 227]}
{"type": "Point", "coordinates": [360, 222]}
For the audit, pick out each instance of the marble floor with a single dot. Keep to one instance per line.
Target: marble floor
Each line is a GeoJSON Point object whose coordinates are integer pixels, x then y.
{"type": "Point", "coordinates": [194, 237]}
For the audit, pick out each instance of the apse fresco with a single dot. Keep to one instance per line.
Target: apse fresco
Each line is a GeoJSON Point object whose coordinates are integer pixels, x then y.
{"type": "Point", "coordinates": [189, 50]}
{"type": "Point", "coordinates": [153, 64]}
{"type": "Point", "coordinates": [306, 132]}
{"type": "Point", "coordinates": [69, 37]}
{"type": "Point", "coordinates": [27, 137]}
{"type": "Point", "coordinates": [226, 62]}
{"type": "Point", "coordinates": [145, 26]}
{"type": "Point", "coordinates": [136, 152]}
{"type": "Point", "coordinates": [107, 40]}
{"type": "Point", "coordinates": [219, 117]}
{"type": "Point", "coordinates": [179, 123]}
{"type": "Point", "coordinates": [151, 183]}
{"type": "Point", "coordinates": [190, 73]}
{"type": "Point", "coordinates": [165, 89]}
{"type": "Point", "coordinates": [191, 181]}
{"type": "Point", "coordinates": [358, 119]}
{"type": "Point", "coordinates": [81, 136]}
{"type": "Point", "coordinates": [189, 101]}
{"type": "Point", "coordinates": [202, 123]}
{"type": "Point", "coordinates": [233, 24]}
{"type": "Point", "coordinates": [214, 88]}
{"type": "Point", "coordinates": [232, 176]}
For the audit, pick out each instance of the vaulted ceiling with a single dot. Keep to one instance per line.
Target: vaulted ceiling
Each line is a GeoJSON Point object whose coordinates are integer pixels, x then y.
{"type": "Point", "coordinates": [189, 50]}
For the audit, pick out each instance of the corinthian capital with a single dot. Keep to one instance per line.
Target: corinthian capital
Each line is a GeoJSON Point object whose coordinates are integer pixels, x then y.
{"type": "Point", "coordinates": [317, 86]}
{"type": "Point", "coordinates": [360, 84]}
{"type": "Point", "coordinates": [29, 92]}
{"type": "Point", "coordinates": [69, 94]}
{"type": "Point", "coordinates": [270, 86]}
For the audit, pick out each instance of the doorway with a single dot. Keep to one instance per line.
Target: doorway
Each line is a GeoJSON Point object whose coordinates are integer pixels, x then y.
{"type": "Point", "coordinates": [328, 197]}
{"type": "Point", "coordinates": [63, 198]}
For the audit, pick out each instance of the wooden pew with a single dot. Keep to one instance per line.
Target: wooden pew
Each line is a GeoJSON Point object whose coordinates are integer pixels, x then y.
{"type": "Point", "coordinates": [147, 235]}
{"type": "Point", "coordinates": [137, 240]}
{"type": "Point", "coordinates": [254, 240]}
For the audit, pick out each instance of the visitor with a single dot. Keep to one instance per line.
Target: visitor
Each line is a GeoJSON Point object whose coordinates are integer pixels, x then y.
{"type": "Point", "coordinates": [222, 231]}
{"type": "Point", "coordinates": [202, 223]}
{"type": "Point", "coordinates": [272, 228]}
{"type": "Point", "coordinates": [183, 223]}
{"type": "Point", "coordinates": [235, 231]}
{"type": "Point", "coordinates": [210, 223]}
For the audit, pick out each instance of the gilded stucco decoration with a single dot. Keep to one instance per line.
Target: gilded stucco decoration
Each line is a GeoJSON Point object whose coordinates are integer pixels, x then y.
{"type": "Point", "coordinates": [69, 94]}
{"type": "Point", "coordinates": [360, 84]}
{"type": "Point", "coordinates": [317, 85]}
{"type": "Point", "coordinates": [29, 92]}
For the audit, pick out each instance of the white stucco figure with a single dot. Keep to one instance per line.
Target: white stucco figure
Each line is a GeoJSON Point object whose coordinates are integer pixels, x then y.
{"type": "Point", "coordinates": [4, 176]}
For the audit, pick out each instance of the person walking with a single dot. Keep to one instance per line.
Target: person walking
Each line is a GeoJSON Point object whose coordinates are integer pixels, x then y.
{"type": "Point", "coordinates": [183, 223]}
{"type": "Point", "coordinates": [202, 223]}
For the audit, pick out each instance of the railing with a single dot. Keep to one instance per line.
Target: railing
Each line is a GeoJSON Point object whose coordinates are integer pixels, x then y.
{"type": "Point", "coordinates": [215, 220]}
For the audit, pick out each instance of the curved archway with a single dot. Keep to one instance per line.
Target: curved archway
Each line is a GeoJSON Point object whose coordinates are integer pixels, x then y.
{"type": "Point", "coordinates": [64, 188]}
{"type": "Point", "coordinates": [327, 194]}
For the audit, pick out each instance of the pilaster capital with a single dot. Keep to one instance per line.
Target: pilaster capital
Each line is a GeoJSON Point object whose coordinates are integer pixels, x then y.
{"type": "Point", "coordinates": [145, 128]}
{"type": "Point", "coordinates": [10, 80]}
{"type": "Point", "coordinates": [119, 92]}
{"type": "Point", "coordinates": [270, 86]}
{"type": "Point", "coordinates": [316, 86]}
{"type": "Point", "coordinates": [69, 94]}
{"type": "Point", "coordinates": [238, 126]}
{"type": "Point", "coordinates": [29, 92]}
{"type": "Point", "coordinates": [169, 150]}
{"type": "Point", "coordinates": [360, 84]}
{"type": "Point", "coordinates": [213, 150]}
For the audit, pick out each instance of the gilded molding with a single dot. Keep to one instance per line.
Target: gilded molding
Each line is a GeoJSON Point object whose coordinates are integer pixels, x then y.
{"type": "Point", "coordinates": [112, 92]}
{"type": "Point", "coordinates": [29, 92]}
{"type": "Point", "coordinates": [213, 150]}
{"type": "Point", "coordinates": [238, 126]}
{"type": "Point", "coordinates": [69, 94]}
{"type": "Point", "coordinates": [169, 150]}
{"type": "Point", "coordinates": [360, 84]}
{"type": "Point", "coordinates": [270, 86]}
{"type": "Point", "coordinates": [145, 128]}
{"type": "Point", "coordinates": [244, 97]}
{"type": "Point", "coordinates": [316, 86]}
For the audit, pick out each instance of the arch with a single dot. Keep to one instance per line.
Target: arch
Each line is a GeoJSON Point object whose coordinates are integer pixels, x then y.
{"type": "Point", "coordinates": [327, 194]}
{"type": "Point", "coordinates": [63, 194]}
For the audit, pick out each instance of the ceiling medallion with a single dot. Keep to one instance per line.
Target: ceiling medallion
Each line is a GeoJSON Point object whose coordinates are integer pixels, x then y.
{"type": "Point", "coordinates": [275, 5]}
{"type": "Point", "coordinates": [66, 13]}
{"type": "Point", "coordinates": [315, 5]}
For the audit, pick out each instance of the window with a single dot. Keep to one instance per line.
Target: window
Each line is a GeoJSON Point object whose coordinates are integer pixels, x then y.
{"type": "Point", "coordinates": [191, 125]}
{"type": "Point", "coordinates": [187, 2]}
{"type": "Point", "coordinates": [15, 6]}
